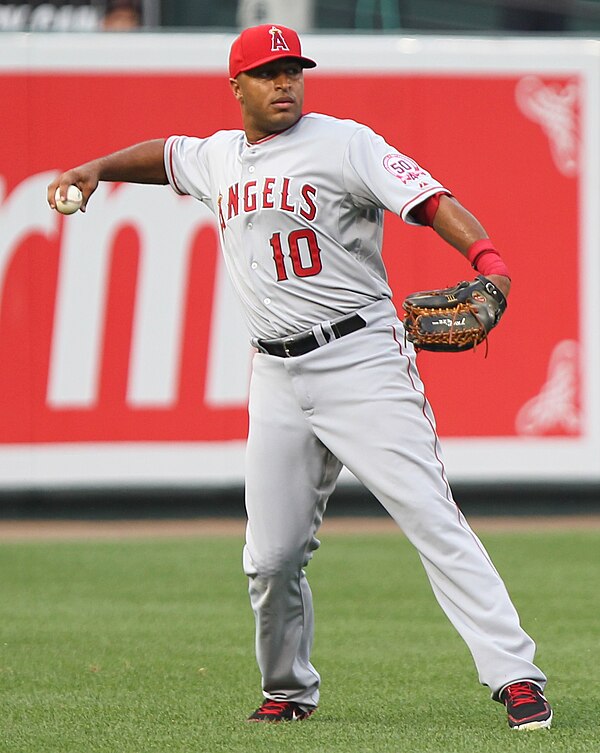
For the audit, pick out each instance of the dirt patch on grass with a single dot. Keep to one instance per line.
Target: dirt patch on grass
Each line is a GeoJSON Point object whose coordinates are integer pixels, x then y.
{"type": "Point", "coordinates": [29, 530]}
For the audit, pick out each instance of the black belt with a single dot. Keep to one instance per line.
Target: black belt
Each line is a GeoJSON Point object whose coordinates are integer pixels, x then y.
{"type": "Point", "coordinates": [304, 342]}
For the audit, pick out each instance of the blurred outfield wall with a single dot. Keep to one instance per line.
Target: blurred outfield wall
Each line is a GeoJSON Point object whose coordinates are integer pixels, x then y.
{"type": "Point", "coordinates": [124, 362]}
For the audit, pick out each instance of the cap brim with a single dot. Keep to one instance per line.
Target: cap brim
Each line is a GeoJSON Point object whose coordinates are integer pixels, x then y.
{"type": "Point", "coordinates": [305, 62]}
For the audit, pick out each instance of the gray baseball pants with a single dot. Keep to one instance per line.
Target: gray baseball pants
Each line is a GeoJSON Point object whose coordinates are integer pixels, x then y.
{"type": "Point", "coordinates": [359, 401]}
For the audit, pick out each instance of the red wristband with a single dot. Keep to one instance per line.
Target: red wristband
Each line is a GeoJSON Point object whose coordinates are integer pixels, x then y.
{"type": "Point", "coordinates": [485, 259]}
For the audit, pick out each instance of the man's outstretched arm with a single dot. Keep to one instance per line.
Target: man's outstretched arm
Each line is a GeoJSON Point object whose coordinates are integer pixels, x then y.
{"type": "Point", "coordinates": [141, 163]}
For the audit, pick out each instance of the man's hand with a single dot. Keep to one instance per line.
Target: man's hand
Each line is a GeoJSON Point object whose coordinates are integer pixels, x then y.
{"type": "Point", "coordinates": [84, 177]}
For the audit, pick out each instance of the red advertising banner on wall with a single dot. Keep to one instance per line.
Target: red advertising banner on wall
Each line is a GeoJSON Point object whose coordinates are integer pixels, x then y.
{"type": "Point", "coordinates": [118, 327]}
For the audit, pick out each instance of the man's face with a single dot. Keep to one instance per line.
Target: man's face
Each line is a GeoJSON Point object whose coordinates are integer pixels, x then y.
{"type": "Point", "coordinates": [270, 96]}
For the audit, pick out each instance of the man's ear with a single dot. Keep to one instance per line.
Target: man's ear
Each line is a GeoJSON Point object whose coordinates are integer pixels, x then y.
{"type": "Point", "coordinates": [235, 88]}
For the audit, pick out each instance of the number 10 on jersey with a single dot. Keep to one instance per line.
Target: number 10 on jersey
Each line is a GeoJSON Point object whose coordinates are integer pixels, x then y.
{"type": "Point", "coordinates": [301, 251]}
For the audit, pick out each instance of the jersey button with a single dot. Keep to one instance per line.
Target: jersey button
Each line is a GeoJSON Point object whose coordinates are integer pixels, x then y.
{"type": "Point", "coordinates": [267, 301]}
{"type": "Point", "coordinates": [254, 265]}
{"type": "Point", "coordinates": [251, 169]}
{"type": "Point", "coordinates": [250, 226]}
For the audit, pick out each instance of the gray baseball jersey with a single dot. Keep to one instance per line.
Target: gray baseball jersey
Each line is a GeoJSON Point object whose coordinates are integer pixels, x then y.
{"type": "Point", "coordinates": [300, 216]}
{"type": "Point", "coordinates": [305, 203]}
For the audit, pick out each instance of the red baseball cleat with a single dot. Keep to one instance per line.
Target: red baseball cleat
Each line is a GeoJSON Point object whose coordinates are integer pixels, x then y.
{"type": "Point", "coordinates": [526, 706]}
{"type": "Point", "coordinates": [280, 711]}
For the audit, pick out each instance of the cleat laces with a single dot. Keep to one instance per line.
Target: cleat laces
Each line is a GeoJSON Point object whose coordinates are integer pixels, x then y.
{"type": "Point", "coordinates": [274, 708]}
{"type": "Point", "coordinates": [521, 693]}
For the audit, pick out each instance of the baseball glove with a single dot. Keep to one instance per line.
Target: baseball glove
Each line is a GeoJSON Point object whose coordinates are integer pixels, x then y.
{"type": "Point", "coordinates": [453, 319]}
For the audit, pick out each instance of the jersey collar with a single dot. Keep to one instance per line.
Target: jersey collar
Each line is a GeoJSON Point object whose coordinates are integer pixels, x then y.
{"type": "Point", "coordinates": [272, 136]}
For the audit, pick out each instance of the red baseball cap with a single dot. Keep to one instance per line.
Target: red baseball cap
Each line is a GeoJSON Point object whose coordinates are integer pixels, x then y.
{"type": "Point", "coordinates": [261, 44]}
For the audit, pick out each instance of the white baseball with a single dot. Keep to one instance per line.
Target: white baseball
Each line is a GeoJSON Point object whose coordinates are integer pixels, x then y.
{"type": "Point", "coordinates": [73, 200]}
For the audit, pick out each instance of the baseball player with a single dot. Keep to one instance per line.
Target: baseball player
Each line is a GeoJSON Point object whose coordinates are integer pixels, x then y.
{"type": "Point", "coordinates": [299, 200]}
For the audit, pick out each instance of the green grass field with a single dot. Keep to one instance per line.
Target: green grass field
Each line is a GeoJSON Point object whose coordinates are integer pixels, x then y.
{"type": "Point", "coordinates": [146, 646]}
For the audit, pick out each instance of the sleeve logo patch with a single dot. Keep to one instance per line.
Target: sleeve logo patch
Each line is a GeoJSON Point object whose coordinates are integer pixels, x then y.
{"type": "Point", "coordinates": [405, 169]}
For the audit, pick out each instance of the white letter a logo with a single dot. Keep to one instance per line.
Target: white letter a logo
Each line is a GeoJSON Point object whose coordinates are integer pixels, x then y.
{"type": "Point", "coordinates": [277, 40]}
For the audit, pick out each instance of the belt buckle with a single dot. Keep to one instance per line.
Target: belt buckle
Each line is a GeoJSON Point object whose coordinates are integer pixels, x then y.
{"type": "Point", "coordinates": [286, 343]}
